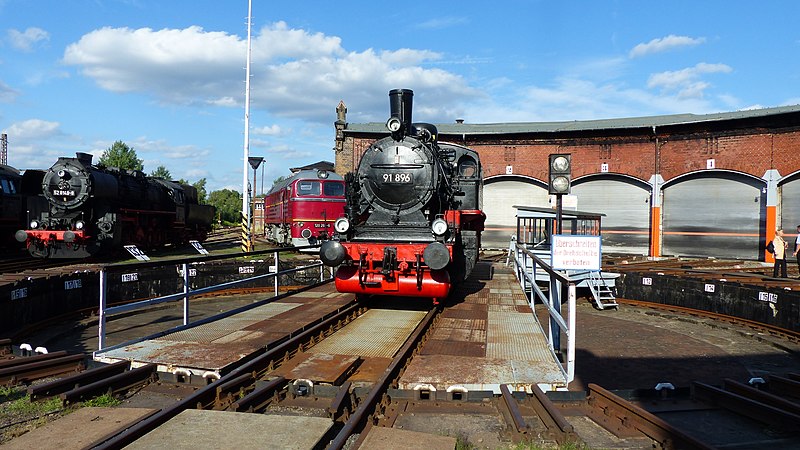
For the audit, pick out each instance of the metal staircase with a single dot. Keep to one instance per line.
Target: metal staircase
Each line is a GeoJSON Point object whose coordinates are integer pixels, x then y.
{"type": "Point", "coordinates": [602, 293]}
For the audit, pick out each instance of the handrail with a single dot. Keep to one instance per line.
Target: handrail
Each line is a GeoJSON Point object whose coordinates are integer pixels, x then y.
{"type": "Point", "coordinates": [186, 293]}
{"type": "Point", "coordinates": [526, 274]}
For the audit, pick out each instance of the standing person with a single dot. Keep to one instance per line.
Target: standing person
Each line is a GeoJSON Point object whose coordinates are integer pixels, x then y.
{"type": "Point", "coordinates": [797, 248]}
{"type": "Point", "coordinates": [780, 254]}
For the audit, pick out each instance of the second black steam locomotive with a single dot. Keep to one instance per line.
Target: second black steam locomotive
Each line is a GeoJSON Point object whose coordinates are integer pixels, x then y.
{"type": "Point", "coordinates": [95, 209]}
{"type": "Point", "coordinates": [413, 218]}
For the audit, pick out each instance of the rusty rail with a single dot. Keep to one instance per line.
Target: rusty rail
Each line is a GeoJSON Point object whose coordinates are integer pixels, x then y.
{"type": "Point", "coordinates": [513, 409]}
{"type": "Point", "coordinates": [781, 385]}
{"type": "Point", "coordinates": [558, 428]}
{"type": "Point", "coordinates": [207, 396]}
{"type": "Point", "coordinates": [260, 397]}
{"type": "Point", "coordinates": [620, 415]}
{"type": "Point", "coordinates": [68, 383]}
{"type": "Point", "coordinates": [117, 383]}
{"type": "Point", "coordinates": [367, 406]}
{"type": "Point", "coordinates": [746, 406]}
{"type": "Point", "coordinates": [28, 370]}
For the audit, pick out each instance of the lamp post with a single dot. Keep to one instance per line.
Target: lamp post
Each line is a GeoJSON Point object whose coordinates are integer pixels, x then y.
{"type": "Point", "coordinates": [254, 161]}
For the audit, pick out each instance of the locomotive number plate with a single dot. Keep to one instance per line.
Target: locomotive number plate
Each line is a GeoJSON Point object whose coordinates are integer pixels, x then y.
{"type": "Point", "coordinates": [398, 178]}
{"type": "Point", "coordinates": [63, 193]}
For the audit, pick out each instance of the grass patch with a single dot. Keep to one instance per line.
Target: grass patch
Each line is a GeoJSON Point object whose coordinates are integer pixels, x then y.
{"type": "Point", "coordinates": [23, 406]}
{"type": "Point", "coordinates": [104, 400]}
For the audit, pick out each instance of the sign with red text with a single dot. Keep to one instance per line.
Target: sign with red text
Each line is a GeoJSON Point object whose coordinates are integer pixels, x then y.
{"type": "Point", "coordinates": [569, 252]}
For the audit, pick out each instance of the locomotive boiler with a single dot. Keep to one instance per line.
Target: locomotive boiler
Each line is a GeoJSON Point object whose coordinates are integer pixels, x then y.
{"type": "Point", "coordinates": [94, 209]}
{"type": "Point", "coordinates": [413, 219]}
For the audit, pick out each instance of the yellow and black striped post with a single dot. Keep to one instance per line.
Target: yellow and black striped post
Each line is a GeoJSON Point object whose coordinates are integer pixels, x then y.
{"type": "Point", "coordinates": [245, 234]}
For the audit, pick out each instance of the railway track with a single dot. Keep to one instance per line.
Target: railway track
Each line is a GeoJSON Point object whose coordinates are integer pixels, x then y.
{"type": "Point", "coordinates": [357, 405]}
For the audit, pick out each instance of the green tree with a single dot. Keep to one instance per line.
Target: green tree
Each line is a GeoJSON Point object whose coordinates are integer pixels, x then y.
{"type": "Point", "coordinates": [200, 185]}
{"type": "Point", "coordinates": [229, 205]}
{"type": "Point", "coordinates": [122, 156]}
{"type": "Point", "coordinates": [280, 179]}
{"type": "Point", "coordinates": [161, 172]}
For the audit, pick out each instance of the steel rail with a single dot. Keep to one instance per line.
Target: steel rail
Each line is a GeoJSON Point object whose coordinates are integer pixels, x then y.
{"type": "Point", "coordinates": [606, 407]}
{"type": "Point", "coordinates": [117, 383]}
{"type": "Point", "coordinates": [31, 359]}
{"type": "Point", "coordinates": [41, 369]}
{"type": "Point", "coordinates": [513, 409]}
{"type": "Point", "coordinates": [367, 406]}
{"type": "Point", "coordinates": [746, 406]}
{"type": "Point", "coordinates": [68, 383]}
{"type": "Point", "coordinates": [557, 425]}
{"type": "Point", "coordinates": [770, 329]}
{"type": "Point", "coordinates": [207, 396]}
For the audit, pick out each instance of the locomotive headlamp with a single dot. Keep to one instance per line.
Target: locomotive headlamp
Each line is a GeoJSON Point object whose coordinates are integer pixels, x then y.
{"type": "Point", "coordinates": [439, 227]}
{"type": "Point", "coordinates": [322, 174]}
{"type": "Point", "coordinates": [79, 225]}
{"type": "Point", "coordinates": [393, 124]}
{"type": "Point", "coordinates": [341, 225]}
{"type": "Point", "coordinates": [34, 224]}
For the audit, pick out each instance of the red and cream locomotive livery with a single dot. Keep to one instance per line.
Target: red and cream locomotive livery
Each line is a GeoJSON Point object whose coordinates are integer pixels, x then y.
{"type": "Point", "coordinates": [301, 209]}
{"type": "Point", "coordinates": [413, 220]}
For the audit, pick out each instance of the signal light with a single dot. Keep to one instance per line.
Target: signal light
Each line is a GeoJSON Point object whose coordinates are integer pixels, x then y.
{"type": "Point", "coordinates": [560, 174]}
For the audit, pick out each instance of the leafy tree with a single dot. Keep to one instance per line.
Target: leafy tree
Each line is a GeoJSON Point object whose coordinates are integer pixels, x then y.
{"type": "Point", "coordinates": [279, 180]}
{"type": "Point", "coordinates": [161, 172]}
{"type": "Point", "coordinates": [122, 156]}
{"type": "Point", "coordinates": [200, 185]}
{"type": "Point", "coordinates": [229, 205]}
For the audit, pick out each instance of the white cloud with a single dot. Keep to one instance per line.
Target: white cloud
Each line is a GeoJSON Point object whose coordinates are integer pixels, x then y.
{"type": "Point", "coordinates": [32, 129]}
{"type": "Point", "coordinates": [664, 44]}
{"type": "Point", "coordinates": [25, 40]}
{"type": "Point", "coordinates": [294, 73]}
{"type": "Point", "coordinates": [686, 82]}
{"type": "Point", "coordinates": [7, 94]}
{"type": "Point", "coordinates": [271, 130]}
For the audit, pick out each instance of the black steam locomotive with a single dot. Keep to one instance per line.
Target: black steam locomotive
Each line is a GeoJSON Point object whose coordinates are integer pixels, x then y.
{"type": "Point", "coordinates": [413, 218]}
{"type": "Point", "coordinates": [94, 209]}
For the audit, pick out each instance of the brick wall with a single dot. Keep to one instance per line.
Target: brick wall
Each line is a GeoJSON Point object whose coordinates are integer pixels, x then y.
{"type": "Point", "coordinates": [749, 151]}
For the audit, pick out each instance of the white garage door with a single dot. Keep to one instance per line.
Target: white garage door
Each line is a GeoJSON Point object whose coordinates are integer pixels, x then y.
{"type": "Point", "coordinates": [499, 199]}
{"type": "Point", "coordinates": [714, 214]}
{"type": "Point", "coordinates": [626, 205]}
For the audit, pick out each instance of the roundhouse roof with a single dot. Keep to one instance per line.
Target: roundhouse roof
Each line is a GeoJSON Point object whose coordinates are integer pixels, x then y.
{"type": "Point", "coordinates": [590, 125]}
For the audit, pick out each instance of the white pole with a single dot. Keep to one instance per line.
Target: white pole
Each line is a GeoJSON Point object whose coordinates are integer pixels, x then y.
{"type": "Point", "coordinates": [245, 164]}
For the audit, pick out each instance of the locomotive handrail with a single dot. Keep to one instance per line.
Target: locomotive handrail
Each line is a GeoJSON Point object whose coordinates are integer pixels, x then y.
{"type": "Point", "coordinates": [187, 292]}
{"type": "Point", "coordinates": [526, 273]}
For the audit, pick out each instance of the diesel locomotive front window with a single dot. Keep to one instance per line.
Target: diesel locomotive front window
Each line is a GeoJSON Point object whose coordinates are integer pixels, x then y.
{"type": "Point", "coordinates": [308, 188]}
{"type": "Point", "coordinates": [333, 189]}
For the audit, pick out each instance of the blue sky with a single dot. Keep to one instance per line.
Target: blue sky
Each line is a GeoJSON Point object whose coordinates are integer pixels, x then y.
{"type": "Point", "coordinates": [167, 77]}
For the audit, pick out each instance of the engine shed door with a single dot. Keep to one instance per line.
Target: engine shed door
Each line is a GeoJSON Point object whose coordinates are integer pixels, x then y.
{"type": "Point", "coordinates": [714, 213]}
{"type": "Point", "coordinates": [499, 199]}
{"type": "Point", "coordinates": [626, 205]}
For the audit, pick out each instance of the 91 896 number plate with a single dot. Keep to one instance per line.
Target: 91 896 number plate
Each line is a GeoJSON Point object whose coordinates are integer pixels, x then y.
{"type": "Point", "coordinates": [398, 178]}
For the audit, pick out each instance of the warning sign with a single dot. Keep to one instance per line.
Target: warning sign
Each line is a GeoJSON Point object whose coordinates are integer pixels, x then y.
{"type": "Point", "coordinates": [570, 252]}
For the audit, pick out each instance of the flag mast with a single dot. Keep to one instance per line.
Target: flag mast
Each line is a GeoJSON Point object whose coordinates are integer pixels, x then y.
{"type": "Point", "coordinates": [246, 232]}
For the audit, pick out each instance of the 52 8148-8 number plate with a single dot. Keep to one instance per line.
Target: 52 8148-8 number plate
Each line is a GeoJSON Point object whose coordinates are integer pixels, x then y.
{"type": "Point", "coordinates": [397, 178]}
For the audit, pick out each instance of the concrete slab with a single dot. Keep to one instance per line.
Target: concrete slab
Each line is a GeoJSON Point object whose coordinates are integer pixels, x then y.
{"type": "Point", "coordinates": [93, 423]}
{"type": "Point", "coordinates": [193, 429]}
{"type": "Point", "coordinates": [381, 438]}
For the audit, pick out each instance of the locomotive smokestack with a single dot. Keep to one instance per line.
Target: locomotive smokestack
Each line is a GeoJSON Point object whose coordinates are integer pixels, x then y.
{"type": "Point", "coordinates": [84, 158]}
{"type": "Point", "coordinates": [400, 103]}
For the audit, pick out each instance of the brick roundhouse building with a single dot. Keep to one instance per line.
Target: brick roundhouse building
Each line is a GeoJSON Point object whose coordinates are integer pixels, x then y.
{"type": "Point", "coordinates": [713, 185]}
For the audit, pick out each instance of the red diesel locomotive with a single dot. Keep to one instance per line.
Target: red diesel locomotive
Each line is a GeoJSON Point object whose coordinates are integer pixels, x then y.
{"type": "Point", "coordinates": [413, 220]}
{"type": "Point", "coordinates": [301, 210]}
